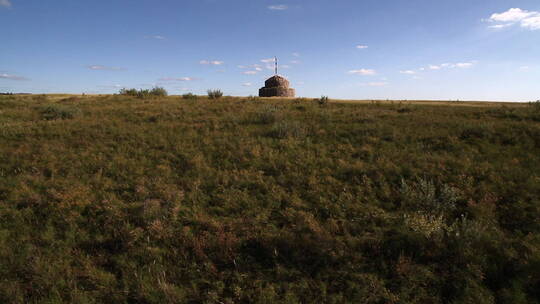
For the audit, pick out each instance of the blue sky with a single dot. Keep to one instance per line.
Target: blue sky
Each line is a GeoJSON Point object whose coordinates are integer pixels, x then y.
{"type": "Point", "coordinates": [395, 49]}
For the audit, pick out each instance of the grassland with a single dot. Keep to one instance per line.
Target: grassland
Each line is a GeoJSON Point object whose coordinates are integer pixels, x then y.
{"type": "Point", "coordinates": [113, 199]}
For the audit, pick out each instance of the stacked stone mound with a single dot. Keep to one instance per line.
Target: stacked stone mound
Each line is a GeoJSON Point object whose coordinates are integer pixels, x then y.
{"type": "Point", "coordinates": [276, 86]}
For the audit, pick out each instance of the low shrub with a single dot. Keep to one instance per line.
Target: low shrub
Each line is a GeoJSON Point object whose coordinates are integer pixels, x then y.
{"type": "Point", "coordinates": [189, 96]}
{"type": "Point", "coordinates": [323, 100]}
{"type": "Point", "coordinates": [215, 94]}
{"type": "Point", "coordinates": [535, 106]}
{"type": "Point", "coordinates": [39, 98]}
{"type": "Point", "coordinates": [154, 92]}
{"type": "Point", "coordinates": [158, 92]}
{"type": "Point", "coordinates": [53, 112]}
{"type": "Point", "coordinates": [288, 129]}
{"type": "Point", "coordinates": [267, 115]}
{"type": "Point", "coordinates": [253, 98]}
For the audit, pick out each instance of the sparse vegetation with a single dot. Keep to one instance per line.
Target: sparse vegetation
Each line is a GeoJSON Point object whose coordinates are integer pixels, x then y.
{"type": "Point", "coordinates": [114, 199]}
{"type": "Point", "coordinates": [215, 94]}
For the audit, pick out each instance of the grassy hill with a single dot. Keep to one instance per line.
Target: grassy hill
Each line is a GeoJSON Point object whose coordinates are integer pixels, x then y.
{"type": "Point", "coordinates": [113, 199]}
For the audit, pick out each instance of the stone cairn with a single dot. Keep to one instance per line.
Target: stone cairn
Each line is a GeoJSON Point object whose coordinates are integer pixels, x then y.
{"type": "Point", "coordinates": [276, 86]}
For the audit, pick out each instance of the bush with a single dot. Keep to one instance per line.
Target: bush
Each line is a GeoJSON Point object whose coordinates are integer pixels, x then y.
{"type": "Point", "coordinates": [53, 112]}
{"type": "Point", "coordinates": [158, 92]}
{"type": "Point", "coordinates": [154, 92]}
{"type": "Point", "coordinates": [189, 96]}
{"type": "Point", "coordinates": [215, 94]}
{"type": "Point", "coordinates": [323, 100]}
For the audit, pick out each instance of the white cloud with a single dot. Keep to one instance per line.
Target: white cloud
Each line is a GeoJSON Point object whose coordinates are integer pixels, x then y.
{"type": "Point", "coordinates": [365, 72]}
{"type": "Point", "coordinates": [177, 79]}
{"type": "Point", "coordinates": [296, 54]}
{"type": "Point", "coordinates": [408, 72]}
{"type": "Point", "coordinates": [526, 19]}
{"type": "Point", "coordinates": [524, 68]}
{"type": "Point", "coordinates": [532, 23]}
{"type": "Point", "coordinates": [362, 47]}
{"type": "Point", "coordinates": [511, 15]}
{"type": "Point", "coordinates": [459, 65]}
{"type": "Point", "coordinates": [246, 84]}
{"type": "Point", "coordinates": [374, 84]}
{"type": "Point", "coordinates": [268, 60]}
{"type": "Point", "coordinates": [295, 61]}
{"type": "Point", "coordinates": [249, 72]}
{"type": "Point", "coordinates": [12, 77]}
{"type": "Point", "coordinates": [464, 65]}
{"type": "Point", "coordinates": [5, 3]}
{"type": "Point", "coordinates": [500, 26]}
{"type": "Point", "coordinates": [211, 62]}
{"type": "Point", "coordinates": [279, 7]}
{"type": "Point", "coordinates": [98, 67]}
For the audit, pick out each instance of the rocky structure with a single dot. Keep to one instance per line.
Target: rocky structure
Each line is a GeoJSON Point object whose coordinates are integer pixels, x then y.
{"type": "Point", "coordinates": [276, 86]}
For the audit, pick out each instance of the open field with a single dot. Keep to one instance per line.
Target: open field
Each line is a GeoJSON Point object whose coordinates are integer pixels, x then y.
{"type": "Point", "coordinates": [114, 199]}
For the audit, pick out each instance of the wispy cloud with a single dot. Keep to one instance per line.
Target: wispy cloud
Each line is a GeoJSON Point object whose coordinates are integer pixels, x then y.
{"type": "Point", "coordinates": [249, 72]}
{"type": "Point", "coordinates": [526, 19]}
{"type": "Point", "coordinates": [157, 37]}
{"type": "Point", "coordinates": [211, 62]}
{"type": "Point", "coordinates": [295, 61]}
{"type": "Point", "coordinates": [362, 47]}
{"type": "Point", "coordinates": [103, 68]}
{"type": "Point", "coordinates": [247, 84]}
{"type": "Point", "coordinates": [268, 60]}
{"type": "Point", "coordinates": [295, 54]}
{"type": "Point", "coordinates": [5, 3]}
{"type": "Point", "coordinates": [365, 72]}
{"type": "Point", "coordinates": [177, 79]}
{"type": "Point", "coordinates": [112, 86]}
{"type": "Point", "coordinates": [12, 77]}
{"type": "Point", "coordinates": [256, 67]}
{"type": "Point", "coordinates": [458, 65]}
{"type": "Point", "coordinates": [524, 68]}
{"type": "Point", "coordinates": [279, 7]}
{"type": "Point", "coordinates": [408, 72]}
{"type": "Point", "coordinates": [374, 84]}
